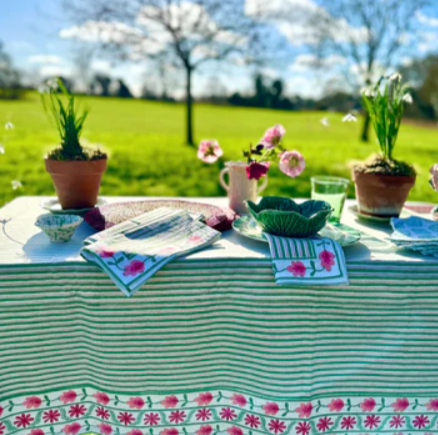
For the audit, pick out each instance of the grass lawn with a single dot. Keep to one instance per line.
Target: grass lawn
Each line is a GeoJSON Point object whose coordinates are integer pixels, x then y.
{"type": "Point", "coordinates": [148, 156]}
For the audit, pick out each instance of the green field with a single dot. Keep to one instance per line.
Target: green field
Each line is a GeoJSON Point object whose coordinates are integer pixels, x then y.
{"type": "Point", "coordinates": [148, 156]}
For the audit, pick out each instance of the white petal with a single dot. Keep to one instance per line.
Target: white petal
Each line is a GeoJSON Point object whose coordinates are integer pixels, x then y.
{"type": "Point", "coordinates": [407, 98]}
{"type": "Point", "coordinates": [325, 122]}
{"type": "Point", "coordinates": [349, 118]}
{"type": "Point", "coordinates": [2, 149]}
{"type": "Point", "coordinates": [9, 126]}
{"type": "Point", "coordinates": [16, 184]}
{"type": "Point", "coordinates": [395, 76]}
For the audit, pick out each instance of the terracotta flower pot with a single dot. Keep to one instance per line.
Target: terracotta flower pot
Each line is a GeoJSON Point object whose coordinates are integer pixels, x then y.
{"type": "Point", "coordinates": [76, 183]}
{"type": "Point", "coordinates": [382, 195]}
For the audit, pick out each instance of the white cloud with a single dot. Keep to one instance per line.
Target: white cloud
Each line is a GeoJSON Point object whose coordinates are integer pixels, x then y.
{"type": "Point", "coordinates": [291, 19]}
{"type": "Point", "coordinates": [424, 19]}
{"type": "Point", "coordinates": [45, 59]}
{"type": "Point", "coordinates": [427, 41]}
{"type": "Point", "coordinates": [102, 31]}
{"type": "Point", "coordinates": [55, 70]}
{"type": "Point", "coordinates": [100, 65]}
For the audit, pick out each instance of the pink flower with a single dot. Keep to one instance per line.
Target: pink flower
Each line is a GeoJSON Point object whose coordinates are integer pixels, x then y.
{"type": "Point", "coordinates": [135, 402]}
{"type": "Point", "coordinates": [292, 163]}
{"type": "Point", "coordinates": [297, 268]}
{"type": "Point", "coordinates": [195, 239]}
{"type": "Point", "coordinates": [368, 405]}
{"type": "Point", "coordinates": [252, 421]}
{"type": "Point", "coordinates": [372, 421]}
{"type": "Point", "coordinates": [336, 405]}
{"type": "Point", "coordinates": [420, 421]}
{"type": "Point", "coordinates": [324, 424]}
{"type": "Point", "coordinates": [171, 431]}
{"type": "Point", "coordinates": [135, 432]}
{"type": "Point", "coordinates": [101, 398]}
{"type": "Point", "coordinates": [126, 418]}
{"type": "Point", "coordinates": [233, 430]}
{"type": "Point", "coordinates": [1, 411]}
{"type": "Point", "coordinates": [348, 422]}
{"type": "Point", "coordinates": [271, 408]}
{"type": "Point", "coordinates": [256, 170]}
{"type": "Point", "coordinates": [23, 420]}
{"type": "Point", "coordinates": [277, 426]}
{"type": "Point", "coordinates": [36, 432]}
{"type": "Point", "coordinates": [273, 136]}
{"type": "Point", "coordinates": [238, 399]}
{"type": "Point", "coordinates": [51, 416]}
{"type": "Point", "coordinates": [72, 429]}
{"type": "Point", "coordinates": [304, 410]}
{"type": "Point", "coordinates": [102, 413]}
{"type": "Point", "coordinates": [177, 416]}
{"type": "Point", "coordinates": [170, 402]}
{"type": "Point", "coordinates": [105, 429]}
{"type": "Point", "coordinates": [400, 405]}
{"type": "Point", "coordinates": [134, 268]}
{"type": "Point", "coordinates": [68, 396]}
{"type": "Point", "coordinates": [303, 428]}
{"type": "Point", "coordinates": [77, 410]}
{"type": "Point", "coordinates": [32, 402]}
{"type": "Point", "coordinates": [209, 151]}
{"type": "Point", "coordinates": [432, 405]}
{"type": "Point", "coordinates": [105, 251]}
{"type": "Point", "coordinates": [204, 399]}
{"type": "Point", "coordinates": [227, 414]}
{"type": "Point", "coordinates": [327, 260]}
{"type": "Point", "coordinates": [203, 414]}
{"type": "Point", "coordinates": [2, 428]}
{"type": "Point", "coordinates": [151, 419]}
{"type": "Point", "coordinates": [397, 421]}
{"type": "Point", "coordinates": [204, 430]}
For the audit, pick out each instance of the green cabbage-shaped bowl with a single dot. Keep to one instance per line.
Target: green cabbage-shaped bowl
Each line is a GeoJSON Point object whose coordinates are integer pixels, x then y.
{"type": "Point", "coordinates": [284, 217]}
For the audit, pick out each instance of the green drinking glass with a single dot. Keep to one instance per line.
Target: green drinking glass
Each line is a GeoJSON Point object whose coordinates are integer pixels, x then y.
{"type": "Point", "coordinates": [332, 190]}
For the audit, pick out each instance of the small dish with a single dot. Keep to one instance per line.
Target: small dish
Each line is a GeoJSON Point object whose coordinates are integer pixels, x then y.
{"type": "Point", "coordinates": [59, 228]}
{"type": "Point", "coordinates": [354, 209]}
{"type": "Point", "coordinates": [284, 217]}
{"type": "Point", "coordinates": [343, 234]}
{"type": "Point", "coordinates": [54, 207]}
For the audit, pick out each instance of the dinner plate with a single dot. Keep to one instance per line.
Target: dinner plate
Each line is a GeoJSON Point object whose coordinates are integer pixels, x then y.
{"type": "Point", "coordinates": [54, 207]}
{"type": "Point", "coordinates": [344, 235]}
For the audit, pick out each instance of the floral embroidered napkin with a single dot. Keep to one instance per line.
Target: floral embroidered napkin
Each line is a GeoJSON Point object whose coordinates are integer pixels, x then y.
{"type": "Point", "coordinates": [133, 251]}
{"type": "Point", "coordinates": [310, 261]}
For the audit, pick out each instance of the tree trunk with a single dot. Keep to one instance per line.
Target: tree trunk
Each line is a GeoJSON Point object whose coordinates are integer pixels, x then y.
{"type": "Point", "coordinates": [189, 108]}
{"type": "Point", "coordinates": [366, 128]}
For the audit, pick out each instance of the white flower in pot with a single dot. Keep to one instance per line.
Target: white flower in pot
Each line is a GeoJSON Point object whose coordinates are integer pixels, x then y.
{"type": "Point", "coordinates": [383, 183]}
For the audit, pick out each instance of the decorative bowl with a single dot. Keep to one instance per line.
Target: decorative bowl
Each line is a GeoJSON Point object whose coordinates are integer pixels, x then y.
{"type": "Point", "coordinates": [284, 217]}
{"type": "Point", "coordinates": [59, 228]}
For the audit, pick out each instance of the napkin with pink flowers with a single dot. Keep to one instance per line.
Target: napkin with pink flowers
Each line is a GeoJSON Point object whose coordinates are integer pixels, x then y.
{"type": "Point", "coordinates": [133, 251]}
{"type": "Point", "coordinates": [311, 261]}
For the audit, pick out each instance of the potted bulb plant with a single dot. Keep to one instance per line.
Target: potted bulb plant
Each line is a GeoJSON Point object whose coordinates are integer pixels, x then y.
{"type": "Point", "coordinates": [383, 183]}
{"type": "Point", "coordinates": [76, 171]}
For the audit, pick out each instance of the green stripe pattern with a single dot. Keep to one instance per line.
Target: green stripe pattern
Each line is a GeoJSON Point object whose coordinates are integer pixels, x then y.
{"type": "Point", "coordinates": [209, 325]}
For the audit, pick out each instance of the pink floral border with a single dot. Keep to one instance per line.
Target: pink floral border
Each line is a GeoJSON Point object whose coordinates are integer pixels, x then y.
{"type": "Point", "coordinates": [78, 411]}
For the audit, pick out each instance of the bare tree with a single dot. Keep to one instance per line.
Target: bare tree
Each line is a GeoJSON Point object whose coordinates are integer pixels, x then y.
{"type": "Point", "coordinates": [178, 32]}
{"type": "Point", "coordinates": [371, 35]}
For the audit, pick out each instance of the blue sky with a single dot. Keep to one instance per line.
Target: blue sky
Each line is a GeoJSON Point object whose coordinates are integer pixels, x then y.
{"type": "Point", "coordinates": [30, 30]}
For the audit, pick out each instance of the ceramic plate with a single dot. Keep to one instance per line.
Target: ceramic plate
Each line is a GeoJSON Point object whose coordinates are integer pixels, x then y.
{"type": "Point", "coordinates": [54, 207]}
{"type": "Point", "coordinates": [385, 220]}
{"type": "Point", "coordinates": [345, 236]}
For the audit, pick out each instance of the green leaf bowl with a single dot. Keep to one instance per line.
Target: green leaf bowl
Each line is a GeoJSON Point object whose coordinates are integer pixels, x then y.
{"type": "Point", "coordinates": [284, 217]}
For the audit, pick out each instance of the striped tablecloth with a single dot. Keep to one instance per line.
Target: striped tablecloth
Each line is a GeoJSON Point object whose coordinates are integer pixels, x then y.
{"type": "Point", "coordinates": [211, 345]}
